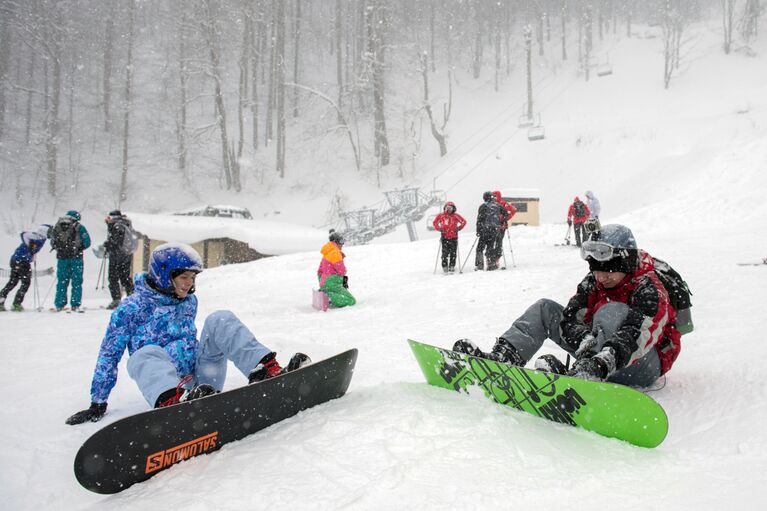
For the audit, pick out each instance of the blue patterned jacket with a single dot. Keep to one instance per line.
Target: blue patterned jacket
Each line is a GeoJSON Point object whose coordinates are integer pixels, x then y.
{"type": "Point", "coordinates": [144, 318]}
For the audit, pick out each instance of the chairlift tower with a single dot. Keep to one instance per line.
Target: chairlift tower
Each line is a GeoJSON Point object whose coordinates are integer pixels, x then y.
{"type": "Point", "coordinates": [527, 32]}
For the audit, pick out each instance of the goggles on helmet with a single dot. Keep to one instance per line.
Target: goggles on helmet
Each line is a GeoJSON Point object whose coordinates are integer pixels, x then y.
{"type": "Point", "coordinates": [598, 250]}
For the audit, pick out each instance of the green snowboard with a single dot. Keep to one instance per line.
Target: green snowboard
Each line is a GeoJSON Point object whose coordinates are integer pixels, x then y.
{"type": "Point", "coordinates": [609, 409]}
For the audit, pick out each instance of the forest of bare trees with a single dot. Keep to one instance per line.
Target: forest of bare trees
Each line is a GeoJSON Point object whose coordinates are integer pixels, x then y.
{"type": "Point", "coordinates": [167, 81]}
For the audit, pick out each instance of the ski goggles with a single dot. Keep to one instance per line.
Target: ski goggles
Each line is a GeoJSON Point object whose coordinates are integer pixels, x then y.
{"type": "Point", "coordinates": [598, 250]}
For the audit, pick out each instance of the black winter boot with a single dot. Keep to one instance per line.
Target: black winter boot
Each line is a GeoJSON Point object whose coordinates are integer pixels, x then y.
{"type": "Point", "coordinates": [550, 364]}
{"type": "Point", "coordinates": [505, 353]}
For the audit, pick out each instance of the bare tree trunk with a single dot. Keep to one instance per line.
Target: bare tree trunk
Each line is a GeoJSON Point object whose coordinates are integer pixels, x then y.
{"type": "Point", "coordinates": [127, 103]}
{"type": "Point", "coordinates": [218, 97]}
{"type": "Point", "coordinates": [477, 48]}
{"type": "Point", "coordinates": [376, 22]}
{"type": "Point", "coordinates": [339, 60]}
{"type": "Point", "coordinates": [257, 27]}
{"type": "Point", "coordinates": [279, 83]}
{"type": "Point", "coordinates": [268, 128]}
{"type": "Point", "coordinates": [296, 55]}
{"type": "Point", "coordinates": [30, 83]}
{"type": "Point", "coordinates": [183, 74]}
{"type": "Point", "coordinates": [437, 133]}
{"type": "Point", "coordinates": [6, 11]}
{"type": "Point", "coordinates": [107, 71]}
{"type": "Point", "coordinates": [564, 29]}
{"type": "Point", "coordinates": [432, 35]}
{"type": "Point", "coordinates": [728, 15]}
{"type": "Point", "coordinates": [52, 129]}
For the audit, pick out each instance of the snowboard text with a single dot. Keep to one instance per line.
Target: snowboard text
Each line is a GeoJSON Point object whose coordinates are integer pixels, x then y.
{"type": "Point", "coordinates": [168, 457]}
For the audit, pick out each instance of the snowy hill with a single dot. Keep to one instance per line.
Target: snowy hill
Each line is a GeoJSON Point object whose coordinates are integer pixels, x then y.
{"type": "Point", "coordinates": [686, 169]}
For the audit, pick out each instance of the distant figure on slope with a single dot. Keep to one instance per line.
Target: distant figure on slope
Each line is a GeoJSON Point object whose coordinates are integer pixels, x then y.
{"type": "Point", "coordinates": [510, 212]}
{"type": "Point", "coordinates": [448, 223]}
{"type": "Point", "coordinates": [490, 216]}
{"type": "Point", "coordinates": [593, 205]}
{"type": "Point", "coordinates": [69, 239]}
{"type": "Point", "coordinates": [332, 272]}
{"type": "Point", "coordinates": [577, 214]}
{"type": "Point", "coordinates": [620, 325]}
{"type": "Point", "coordinates": [21, 268]}
{"type": "Point", "coordinates": [156, 325]}
{"type": "Point", "coordinates": [119, 248]}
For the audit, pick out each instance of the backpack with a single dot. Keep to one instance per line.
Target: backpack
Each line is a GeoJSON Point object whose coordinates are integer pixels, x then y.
{"type": "Point", "coordinates": [678, 293]}
{"type": "Point", "coordinates": [65, 238]}
{"type": "Point", "coordinates": [130, 240]}
{"type": "Point", "coordinates": [492, 220]}
{"type": "Point", "coordinates": [578, 208]}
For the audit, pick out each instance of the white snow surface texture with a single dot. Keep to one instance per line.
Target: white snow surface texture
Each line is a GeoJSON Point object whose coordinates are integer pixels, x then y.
{"type": "Point", "coordinates": [686, 169]}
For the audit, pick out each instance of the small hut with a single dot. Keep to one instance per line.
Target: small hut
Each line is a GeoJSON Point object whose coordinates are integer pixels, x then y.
{"type": "Point", "coordinates": [527, 202]}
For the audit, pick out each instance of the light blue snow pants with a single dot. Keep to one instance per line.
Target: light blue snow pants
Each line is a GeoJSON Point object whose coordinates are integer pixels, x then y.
{"type": "Point", "coordinates": [223, 338]}
{"type": "Point", "coordinates": [541, 322]}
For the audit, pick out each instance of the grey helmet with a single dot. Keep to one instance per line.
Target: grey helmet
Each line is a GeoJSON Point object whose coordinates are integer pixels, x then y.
{"type": "Point", "coordinates": [613, 248]}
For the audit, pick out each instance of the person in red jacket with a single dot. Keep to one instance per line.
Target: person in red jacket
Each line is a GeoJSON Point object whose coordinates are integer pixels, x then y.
{"type": "Point", "coordinates": [577, 214]}
{"type": "Point", "coordinates": [449, 223]}
{"type": "Point", "coordinates": [619, 325]}
{"type": "Point", "coordinates": [511, 210]}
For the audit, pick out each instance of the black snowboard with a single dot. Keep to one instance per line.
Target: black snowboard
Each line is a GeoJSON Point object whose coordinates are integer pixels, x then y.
{"type": "Point", "coordinates": [135, 448]}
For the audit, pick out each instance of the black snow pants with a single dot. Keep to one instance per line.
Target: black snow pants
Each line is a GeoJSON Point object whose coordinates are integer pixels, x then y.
{"type": "Point", "coordinates": [21, 271]}
{"type": "Point", "coordinates": [120, 273]}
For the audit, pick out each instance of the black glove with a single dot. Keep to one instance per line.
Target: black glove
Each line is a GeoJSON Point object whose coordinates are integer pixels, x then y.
{"type": "Point", "coordinates": [93, 414]}
{"type": "Point", "coordinates": [569, 222]}
{"type": "Point", "coordinates": [595, 368]}
{"type": "Point", "coordinates": [346, 282]}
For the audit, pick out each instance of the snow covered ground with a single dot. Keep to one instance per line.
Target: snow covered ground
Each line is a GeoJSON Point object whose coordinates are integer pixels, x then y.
{"type": "Point", "coordinates": [686, 169]}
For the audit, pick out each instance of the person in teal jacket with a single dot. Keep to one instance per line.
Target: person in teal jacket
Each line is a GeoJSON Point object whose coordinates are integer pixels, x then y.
{"type": "Point", "coordinates": [69, 238]}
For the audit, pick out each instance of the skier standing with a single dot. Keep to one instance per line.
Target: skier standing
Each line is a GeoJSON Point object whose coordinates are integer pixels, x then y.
{"type": "Point", "coordinates": [490, 216]}
{"type": "Point", "coordinates": [156, 325]}
{"type": "Point", "coordinates": [21, 268]}
{"type": "Point", "coordinates": [332, 272]}
{"type": "Point", "coordinates": [118, 247]}
{"type": "Point", "coordinates": [619, 325]}
{"type": "Point", "coordinates": [69, 238]}
{"type": "Point", "coordinates": [577, 214]}
{"type": "Point", "coordinates": [595, 208]}
{"type": "Point", "coordinates": [448, 223]}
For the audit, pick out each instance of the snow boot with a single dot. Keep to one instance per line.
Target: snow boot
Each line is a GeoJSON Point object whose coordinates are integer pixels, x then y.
{"type": "Point", "coordinates": [17, 307]}
{"type": "Point", "coordinates": [181, 395]}
{"type": "Point", "coordinates": [2, 307]}
{"type": "Point", "coordinates": [502, 351]}
{"type": "Point", "coordinates": [550, 364]}
{"type": "Point", "coordinates": [267, 368]}
{"type": "Point", "coordinates": [113, 304]}
{"type": "Point", "coordinates": [298, 360]}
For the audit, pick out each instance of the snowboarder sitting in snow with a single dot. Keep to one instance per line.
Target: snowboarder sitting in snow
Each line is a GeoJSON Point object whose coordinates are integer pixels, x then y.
{"type": "Point", "coordinates": [156, 325]}
{"type": "Point", "coordinates": [21, 267]}
{"type": "Point", "coordinates": [449, 223]}
{"type": "Point", "coordinates": [620, 325]}
{"type": "Point", "coordinates": [332, 272]}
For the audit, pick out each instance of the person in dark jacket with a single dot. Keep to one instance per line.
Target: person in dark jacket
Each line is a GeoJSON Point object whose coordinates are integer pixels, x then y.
{"type": "Point", "coordinates": [448, 223]}
{"type": "Point", "coordinates": [118, 249]}
{"type": "Point", "coordinates": [620, 325]}
{"type": "Point", "coordinates": [21, 268]}
{"type": "Point", "coordinates": [69, 238]}
{"type": "Point", "coordinates": [490, 216]}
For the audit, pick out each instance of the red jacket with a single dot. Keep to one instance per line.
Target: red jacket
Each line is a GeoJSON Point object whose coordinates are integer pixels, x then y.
{"type": "Point", "coordinates": [449, 223]}
{"type": "Point", "coordinates": [510, 209]}
{"type": "Point", "coordinates": [650, 324]}
{"type": "Point", "coordinates": [578, 219]}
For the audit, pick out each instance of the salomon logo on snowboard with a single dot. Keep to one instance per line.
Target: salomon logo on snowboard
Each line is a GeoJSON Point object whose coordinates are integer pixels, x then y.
{"type": "Point", "coordinates": [168, 457]}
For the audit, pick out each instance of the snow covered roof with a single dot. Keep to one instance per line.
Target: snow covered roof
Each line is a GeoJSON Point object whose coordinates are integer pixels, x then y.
{"type": "Point", "coordinates": [272, 238]}
{"type": "Point", "coordinates": [521, 193]}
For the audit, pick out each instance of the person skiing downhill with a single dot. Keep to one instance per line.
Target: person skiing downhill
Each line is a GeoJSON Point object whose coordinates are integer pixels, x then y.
{"type": "Point", "coordinates": [620, 325]}
{"type": "Point", "coordinates": [577, 214]}
{"type": "Point", "coordinates": [167, 362]}
{"type": "Point", "coordinates": [21, 268]}
{"type": "Point", "coordinates": [331, 273]}
{"type": "Point", "coordinates": [448, 223]}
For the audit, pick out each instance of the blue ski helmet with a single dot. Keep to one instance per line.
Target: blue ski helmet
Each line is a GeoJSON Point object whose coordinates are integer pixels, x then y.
{"type": "Point", "coordinates": [171, 259]}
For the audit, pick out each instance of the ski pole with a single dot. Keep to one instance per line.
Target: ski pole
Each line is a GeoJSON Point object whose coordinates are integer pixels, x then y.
{"type": "Point", "coordinates": [439, 249]}
{"type": "Point", "coordinates": [503, 253]}
{"type": "Point", "coordinates": [468, 256]}
{"type": "Point", "coordinates": [35, 291]}
{"type": "Point", "coordinates": [458, 255]}
{"type": "Point", "coordinates": [53, 281]}
{"type": "Point", "coordinates": [104, 275]}
{"type": "Point", "coordinates": [567, 236]}
{"type": "Point", "coordinates": [101, 270]}
{"type": "Point", "coordinates": [511, 249]}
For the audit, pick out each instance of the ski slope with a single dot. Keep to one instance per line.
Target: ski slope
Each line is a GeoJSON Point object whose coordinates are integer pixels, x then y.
{"type": "Point", "coordinates": [686, 171]}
